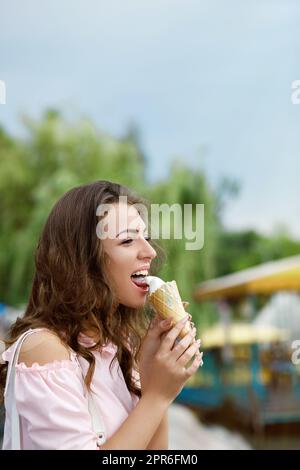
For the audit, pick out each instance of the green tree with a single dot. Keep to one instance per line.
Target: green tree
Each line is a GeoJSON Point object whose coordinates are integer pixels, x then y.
{"type": "Point", "coordinates": [241, 250]}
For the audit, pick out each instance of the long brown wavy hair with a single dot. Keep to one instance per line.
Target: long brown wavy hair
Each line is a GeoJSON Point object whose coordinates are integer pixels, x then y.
{"type": "Point", "coordinates": [71, 292]}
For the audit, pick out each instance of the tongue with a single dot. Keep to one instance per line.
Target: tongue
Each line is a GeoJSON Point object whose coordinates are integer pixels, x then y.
{"type": "Point", "coordinates": [139, 281]}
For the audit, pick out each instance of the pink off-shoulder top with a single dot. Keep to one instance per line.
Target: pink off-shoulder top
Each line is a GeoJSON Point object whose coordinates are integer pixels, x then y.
{"type": "Point", "coordinates": [53, 406]}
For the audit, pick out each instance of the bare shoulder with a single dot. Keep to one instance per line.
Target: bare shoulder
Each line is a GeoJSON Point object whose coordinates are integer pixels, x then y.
{"type": "Point", "coordinates": [43, 347]}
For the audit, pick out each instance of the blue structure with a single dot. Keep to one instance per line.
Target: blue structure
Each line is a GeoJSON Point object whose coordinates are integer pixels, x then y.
{"type": "Point", "coordinates": [267, 392]}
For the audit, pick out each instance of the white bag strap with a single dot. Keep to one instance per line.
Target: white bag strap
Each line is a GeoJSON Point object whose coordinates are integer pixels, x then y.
{"type": "Point", "coordinates": [10, 402]}
{"type": "Point", "coordinates": [9, 394]}
{"type": "Point", "coordinates": [97, 423]}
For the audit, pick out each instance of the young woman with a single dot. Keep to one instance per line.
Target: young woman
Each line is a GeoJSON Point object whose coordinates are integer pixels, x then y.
{"type": "Point", "coordinates": [86, 333]}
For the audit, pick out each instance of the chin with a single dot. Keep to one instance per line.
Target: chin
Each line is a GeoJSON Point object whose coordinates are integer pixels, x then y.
{"type": "Point", "coordinates": [138, 304]}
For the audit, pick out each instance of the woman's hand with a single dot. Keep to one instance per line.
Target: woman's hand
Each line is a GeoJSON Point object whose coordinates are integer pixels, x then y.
{"type": "Point", "coordinates": [151, 343]}
{"type": "Point", "coordinates": [169, 370]}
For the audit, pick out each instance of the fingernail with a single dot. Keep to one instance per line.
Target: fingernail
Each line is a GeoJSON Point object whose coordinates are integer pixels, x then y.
{"type": "Point", "coordinates": [185, 319]}
{"type": "Point", "coordinates": [199, 356]}
{"type": "Point", "coordinates": [198, 341]}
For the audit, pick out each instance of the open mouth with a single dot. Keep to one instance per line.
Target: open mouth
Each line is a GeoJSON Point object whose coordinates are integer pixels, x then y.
{"type": "Point", "coordinates": [139, 280]}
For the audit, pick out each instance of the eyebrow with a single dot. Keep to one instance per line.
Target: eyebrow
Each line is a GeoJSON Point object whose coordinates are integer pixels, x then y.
{"type": "Point", "coordinates": [131, 230]}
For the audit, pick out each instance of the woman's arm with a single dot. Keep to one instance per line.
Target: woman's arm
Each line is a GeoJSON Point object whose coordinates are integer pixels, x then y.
{"type": "Point", "coordinates": [160, 440]}
{"type": "Point", "coordinates": [54, 426]}
{"type": "Point", "coordinates": [139, 428]}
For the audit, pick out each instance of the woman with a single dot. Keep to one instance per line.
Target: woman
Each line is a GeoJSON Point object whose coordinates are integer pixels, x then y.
{"type": "Point", "coordinates": [85, 328]}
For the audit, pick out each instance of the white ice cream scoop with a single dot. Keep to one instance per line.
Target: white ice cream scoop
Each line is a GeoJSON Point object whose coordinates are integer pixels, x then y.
{"type": "Point", "coordinates": [154, 283]}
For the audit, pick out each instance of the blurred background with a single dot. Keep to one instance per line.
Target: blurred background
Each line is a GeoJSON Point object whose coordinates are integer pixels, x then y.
{"type": "Point", "coordinates": [184, 102]}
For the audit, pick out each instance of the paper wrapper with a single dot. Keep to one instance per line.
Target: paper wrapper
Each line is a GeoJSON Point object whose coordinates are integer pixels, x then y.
{"type": "Point", "coordinates": [166, 301]}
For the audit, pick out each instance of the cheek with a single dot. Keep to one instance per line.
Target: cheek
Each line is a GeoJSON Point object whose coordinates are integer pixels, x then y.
{"type": "Point", "coordinates": [118, 268]}
{"type": "Point", "coordinates": [121, 259]}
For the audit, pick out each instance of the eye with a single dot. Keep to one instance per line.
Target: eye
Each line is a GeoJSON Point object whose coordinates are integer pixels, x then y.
{"type": "Point", "coordinates": [126, 242]}
{"type": "Point", "coordinates": [129, 240]}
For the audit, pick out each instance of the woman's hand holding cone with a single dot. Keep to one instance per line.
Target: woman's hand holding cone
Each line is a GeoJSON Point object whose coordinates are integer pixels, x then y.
{"type": "Point", "coordinates": [169, 373]}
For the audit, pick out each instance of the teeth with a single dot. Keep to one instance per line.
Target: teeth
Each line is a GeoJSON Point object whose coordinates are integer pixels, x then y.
{"type": "Point", "coordinates": [143, 273]}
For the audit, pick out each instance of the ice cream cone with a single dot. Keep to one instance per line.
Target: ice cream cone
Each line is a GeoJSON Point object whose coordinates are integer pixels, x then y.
{"type": "Point", "coordinates": [167, 303]}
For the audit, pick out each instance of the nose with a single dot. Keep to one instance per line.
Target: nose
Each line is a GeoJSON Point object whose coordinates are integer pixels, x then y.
{"type": "Point", "coordinates": [147, 251]}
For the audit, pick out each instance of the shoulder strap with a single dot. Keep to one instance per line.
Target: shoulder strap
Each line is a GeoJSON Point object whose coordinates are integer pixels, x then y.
{"type": "Point", "coordinates": [97, 423]}
{"type": "Point", "coordinates": [9, 393]}
{"type": "Point", "coordinates": [10, 402]}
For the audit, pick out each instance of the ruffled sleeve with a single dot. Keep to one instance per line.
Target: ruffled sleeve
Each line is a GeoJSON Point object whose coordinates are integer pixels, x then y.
{"type": "Point", "coordinates": [53, 407]}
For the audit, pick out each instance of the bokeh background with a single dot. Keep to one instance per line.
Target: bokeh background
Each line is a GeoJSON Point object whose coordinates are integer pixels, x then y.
{"type": "Point", "coordinates": [184, 102]}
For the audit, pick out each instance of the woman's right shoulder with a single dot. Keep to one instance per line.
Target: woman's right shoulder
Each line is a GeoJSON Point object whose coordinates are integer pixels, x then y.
{"type": "Point", "coordinates": [43, 347]}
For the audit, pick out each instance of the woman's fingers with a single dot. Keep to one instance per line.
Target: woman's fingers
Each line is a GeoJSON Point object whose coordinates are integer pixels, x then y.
{"type": "Point", "coordinates": [189, 353]}
{"type": "Point", "coordinates": [158, 326]}
{"type": "Point", "coordinates": [185, 306]}
{"type": "Point", "coordinates": [170, 338]}
{"type": "Point", "coordinates": [155, 321]}
{"type": "Point", "coordinates": [183, 344]}
{"type": "Point", "coordinates": [198, 362]}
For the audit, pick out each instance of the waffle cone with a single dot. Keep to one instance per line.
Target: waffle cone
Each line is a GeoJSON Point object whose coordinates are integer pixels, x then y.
{"type": "Point", "coordinates": [167, 302]}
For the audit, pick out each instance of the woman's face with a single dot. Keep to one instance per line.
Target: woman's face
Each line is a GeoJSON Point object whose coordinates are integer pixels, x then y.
{"type": "Point", "coordinates": [127, 251]}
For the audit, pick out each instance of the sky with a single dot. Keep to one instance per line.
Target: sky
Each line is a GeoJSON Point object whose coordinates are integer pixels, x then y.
{"type": "Point", "coordinates": [206, 81]}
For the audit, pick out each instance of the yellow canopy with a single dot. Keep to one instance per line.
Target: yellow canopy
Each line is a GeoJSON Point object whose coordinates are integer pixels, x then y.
{"type": "Point", "coordinates": [241, 333]}
{"type": "Point", "coordinates": [264, 279]}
